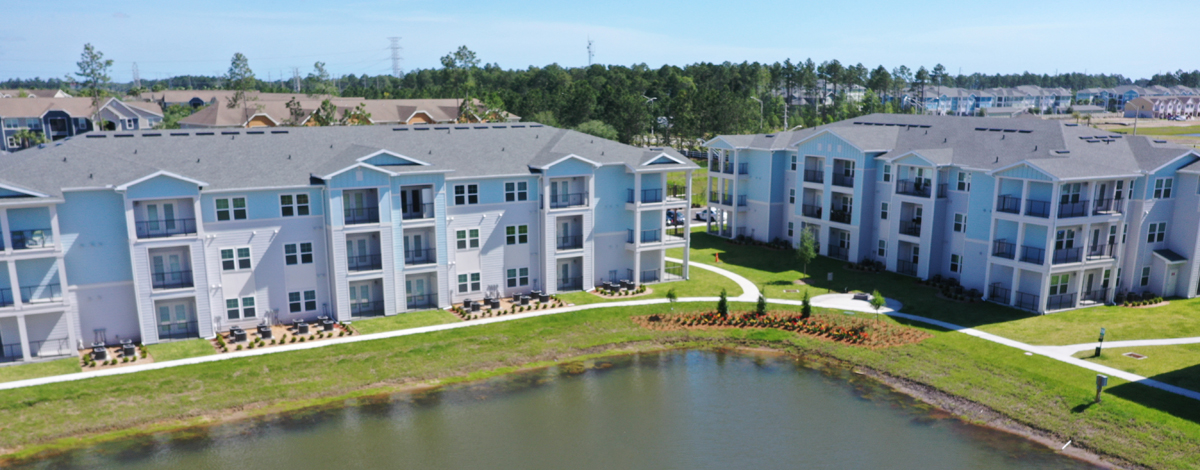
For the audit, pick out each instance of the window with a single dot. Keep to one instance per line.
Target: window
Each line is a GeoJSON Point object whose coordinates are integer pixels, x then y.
{"type": "Point", "coordinates": [882, 250]}
{"type": "Point", "coordinates": [468, 283]}
{"type": "Point", "coordinates": [231, 208]}
{"type": "Point", "coordinates": [1070, 193]}
{"type": "Point", "coordinates": [887, 173]}
{"type": "Point", "coordinates": [466, 194]}
{"type": "Point", "coordinates": [516, 235]}
{"type": "Point", "coordinates": [1058, 283]}
{"type": "Point", "coordinates": [516, 191]}
{"type": "Point", "coordinates": [955, 263]}
{"type": "Point", "coordinates": [518, 277]}
{"type": "Point", "coordinates": [233, 259]}
{"type": "Point", "coordinates": [291, 205]}
{"type": "Point", "coordinates": [467, 238]}
{"type": "Point", "coordinates": [297, 253]}
{"type": "Point", "coordinates": [302, 301]}
{"type": "Point", "coordinates": [13, 141]}
{"type": "Point", "coordinates": [883, 210]}
{"type": "Point", "coordinates": [1162, 188]}
{"type": "Point", "coordinates": [791, 196]}
{"type": "Point", "coordinates": [848, 168]}
{"type": "Point", "coordinates": [1158, 233]}
{"type": "Point", "coordinates": [246, 310]}
{"type": "Point", "coordinates": [964, 181]}
{"type": "Point", "coordinates": [1124, 233]}
{"type": "Point", "coordinates": [793, 163]}
{"type": "Point", "coordinates": [791, 229]}
{"type": "Point", "coordinates": [1146, 276]}
{"type": "Point", "coordinates": [960, 222]}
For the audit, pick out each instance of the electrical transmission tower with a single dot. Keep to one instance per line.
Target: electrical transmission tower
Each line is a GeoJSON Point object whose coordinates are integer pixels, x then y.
{"type": "Point", "coordinates": [591, 51]}
{"type": "Point", "coordinates": [295, 79]}
{"type": "Point", "coordinates": [396, 72]}
{"type": "Point", "coordinates": [137, 81]}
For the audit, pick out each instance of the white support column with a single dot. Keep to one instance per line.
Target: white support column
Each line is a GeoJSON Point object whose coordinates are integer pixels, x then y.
{"type": "Point", "coordinates": [7, 231]}
{"type": "Point", "coordinates": [733, 214]}
{"type": "Point", "coordinates": [25, 352]}
{"type": "Point", "coordinates": [15, 284]}
{"type": "Point", "coordinates": [1078, 287]}
{"type": "Point", "coordinates": [1044, 294]}
{"type": "Point", "coordinates": [57, 234]}
{"type": "Point", "coordinates": [687, 226]}
{"type": "Point", "coordinates": [1012, 288]}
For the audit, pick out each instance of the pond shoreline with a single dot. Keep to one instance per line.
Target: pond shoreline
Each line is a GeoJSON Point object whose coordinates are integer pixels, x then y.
{"type": "Point", "coordinates": [957, 406]}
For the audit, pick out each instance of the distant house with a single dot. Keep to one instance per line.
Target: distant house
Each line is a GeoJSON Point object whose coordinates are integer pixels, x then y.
{"type": "Point", "coordinates": [199, 98]}
{"type": "Point", "coordinates": [1004, 112]}
{"type": "Point", "coordinates": [272, 113]}
{"type": "Point", "coordinates": [1086, 109]}
{"type": "Point", "coordinates": [33, 93]}
{"type": "Point", "coordinates": [58, 118]}
{"type": "Point", "coordinates": [1162, 107]}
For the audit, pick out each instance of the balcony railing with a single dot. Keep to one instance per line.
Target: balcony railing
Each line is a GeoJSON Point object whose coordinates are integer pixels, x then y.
{"type": "Point", "coordinates": [570, 283]}
{"type": "Point", "coordinates": [1101, 251]}
{"type": "Point", "coordinates": [1003, 249]}
{"type": "Point", "coordinates": [1060, 301]}
{"type": "Point", "coordinates": [918, 188]}
{"type": "Point", "coordinates": [1035, 208]}
{"type": "Point", "coordinates": [839, 252]}
{"type": "Point", "coordinates": [842, 216]}
{"type": "Point", "coordinates": [416, 211]}
{"type": "Point", "coordinates": [362, 215]}
{"type": "Point", "coordinates": [814, 176]}
{"type": "Point", "coordinates": [650, 275]}
{"type": "Point", "coordinates": [1067, 255]}
{"type": "Point", "coordinates": [421, 301]}
{"type": "Point", "coordinates": [32, 239]}
{"type": "Point", "coordinates": [185, 330]}
{"type": "Point", "coordinates": [1035, 255]}
{"type": "Point", "coordinates": [570, 242]}
{"type": "Point", "coordinates": [418, 257]}
{"type": "Point", "coordinates": [910, 228]}
{"type": "Point", "coordinates": [741, 200]}
{"type": "Point", "coordinates": [42, 293]}
{"type": "Point", "coordinates": [998, 293]}
{"type": "Point", "coordinates": [906, 267]}
{"type": "Point", "coordinates": [366, 309]}
{"type": "Point", "coordinates": [1072, 209]}
{"type": "Point", "coordinates": [560, 201]}
{"type": "Point", "coordinates": [843, 180]}
{"type": "Point", "coordinates": [1027, 301]}
{"type": "Point", "coordinates": [651, 236]}
{"type": "Point", "coordinates": [165, 228]}
{"type": "Point", "coordinates": [1009, 204]}
{"type": "Point", "coordinates": [1109, 206]}
{"type": "Point", "coordinates": [714, 198]}
{"type": "Point", "coordinates": [171, 280]}
{"type": "Point", "coordinates": [650, 196]}
{"type": "Point", "coordinates": [11, 352]}
{"type": "Point", "coordinates": [6, 297]}
{"type": "Point", "coordinates": [364, 263]}
{"type": "Point", "coordinates": [1095, 295]}
{"type": "Point", "coordinates": [714, 166]}
{"type": "Point", "coordinates": [726, 200]}
{"type": "Point", "coordinates": [810, 210]}
{"type": "Point", "coordinates": [728, 168]}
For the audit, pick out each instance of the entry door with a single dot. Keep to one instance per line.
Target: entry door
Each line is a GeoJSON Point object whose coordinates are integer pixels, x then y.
{"type": "Point", "coordinates": [153, 222]}
{"type": "Point", "coordinates": [414, 248]}
{"type": "Point", "coordinates": [415, 289]}
{"type": "Point", "coordinates": [1112, 235]}
{"type": "Point", "coordinates": [565, 270]}
{"type": "Point", "coordinates": [1102, 191]}
{"type": "Point", "coordinates": [554, 191]}
{"type": "Point", "coordinates": [411, 201]}
{"type": "Point", "coordinates": [356, 251]}
{"type": "Point", "coordinates": [1087, 283]}
{"type": "Point", "coordinates": [1096, 237]}
{"type": "Point", "coordinates": [167, 269]}
{"type": "Point", "coordinates": [1064, 239]}
{"type": "Point", "coordinates": [1172, 280]}
{"type": "Point", "coordinates": [360, 296]}
{"type": "Point", "coordinates": [173, 320]}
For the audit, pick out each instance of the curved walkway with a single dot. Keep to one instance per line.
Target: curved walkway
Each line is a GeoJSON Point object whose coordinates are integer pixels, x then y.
{"type": "Point", "coordinates": [750, 293]}
{"type": "Point", "coordinates": [1071, 349]}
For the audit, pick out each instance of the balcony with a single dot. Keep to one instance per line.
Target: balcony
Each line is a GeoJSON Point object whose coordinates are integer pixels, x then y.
{"type": "Point", "coordinates": [1060, 301]}
{"type": "Point", "coordinates": [743, 168]}
{"type": "Point", "coordinates": [843, 180]}
{"type": "Point", "coordinates": [649, 275]}
{"type": "Point", "coordinates": [366, 309]}
{"type": "Point", "coordinates": [42, 293]}
{"type": "Point", "coordinates": [6, 298]}
{"type": "Point", "coordinates": [1004, 249]}
{"type": "Point", "coordinates": [814, 176]}
{"type": "Point", "coordinates": [1107, 251]}
{"type": "Point", "coordinates": [810, 210]}
{"type": "Point", "coordinates": [728, 168]}
{"type": "Point", "coordinates": [910, 228]}
{"type": "Point", "coordinates": [165, 228]}
{"type": "Point", "coordinates": [185, 330]}
{"type": "Point", "coordinates": [906, 267]}
{"type": "Point", "coordinates": [1098, 296]}
{"type": "Point", "coordinates": [562, 201]}
{"type": "Point", "coordinates": [570, 242]}
{"type": "Point", "coordinates": [714, 166]}
{"type": "Point", "coordinates": [741, 199]}
{"type": "Point", "coordinates": [1072, 209]}
{"type": "Point", "coordinates": [839, 252]}
{"type": "Point", "coordinates": [649, 196]}
{"type": "Point", "coordinates": [364, 263]}
{"type": "Point", "coordinates": [172, 280]}
{"type": "Point", "coordinates": [421, 301]}
{"type": "Point", "coordinates": [1035, 208]}
{"type": "Point", "coordinates": [919, 188]}
{"type": "Point", "coordinates": [843, 216]}
{"type": "Point", "coordinates": [32, 239]}
{"type": "Point", "coordinates": [570, 283]}
{"type": "Point", "coordinates": [714, 198]}
{"type": "Point", "coordinates": [943, 190]}
{"type": "Point", "coordinates": [1109, 206]}
{"type": "Point", "coordinates": [362, 215]}
{"type": "Point", "coordinates": [1008, 204]}
{"type": "Point", "coordinates": [1033, 255]}
{"type": "Point", "coordinates": [416, 211]}
{"type": "Point", "coordinates": [726, 200]}
{"type": "Point", "coordinates": [651, 236]}
{"type": "Point", "coordinates": [419, 257]}
{"type": "Point", "coordinates": [1028, 301]}
{"type": "Point", "coordinates": [1067, 255]}
{"type": "Point", "coordinates": [998, 293]}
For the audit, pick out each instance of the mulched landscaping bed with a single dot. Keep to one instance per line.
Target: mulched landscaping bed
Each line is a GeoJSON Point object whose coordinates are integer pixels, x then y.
{"type": "Point", "coordinates": [842, 329]}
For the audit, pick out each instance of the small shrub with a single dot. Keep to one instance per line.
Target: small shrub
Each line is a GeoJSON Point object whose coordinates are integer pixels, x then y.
{"type": "Point", "coordinates": [293, 339]}
{"type": "Point", "coordinates": [301, 339]}
{"type": "Point", "coordinates": [239, 347]}
{"type": "Point", "coordinates": [250, 346]}
{"type": "Point", "coordinates": [341, 334]}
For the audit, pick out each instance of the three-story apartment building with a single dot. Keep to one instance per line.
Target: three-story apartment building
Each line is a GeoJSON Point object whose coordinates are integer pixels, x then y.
{"type": "Point", "coordinates": [155, 236]}
{"type": "Point", "coordinates": [1041, 215]}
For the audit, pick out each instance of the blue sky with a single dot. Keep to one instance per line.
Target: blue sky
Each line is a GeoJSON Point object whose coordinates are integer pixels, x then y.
{"type": "Point", "coordinates": [172, 38]}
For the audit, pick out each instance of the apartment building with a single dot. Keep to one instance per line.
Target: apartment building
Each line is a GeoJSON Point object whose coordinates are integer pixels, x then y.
{"type": "Point", "coordinates": [58, 118]}
{"type": "Point", "coordinates": [156, 236]}
{"type": "Point", "coordinates": [1040, 215]}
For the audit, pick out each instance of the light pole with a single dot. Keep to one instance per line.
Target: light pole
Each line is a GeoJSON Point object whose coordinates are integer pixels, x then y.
{"type": "Point", "coordinates": [1137, 115]}
{"type": "Point", "coordinates": [760, 112]}
{"type": "Point", "coordinates": [648, 101]}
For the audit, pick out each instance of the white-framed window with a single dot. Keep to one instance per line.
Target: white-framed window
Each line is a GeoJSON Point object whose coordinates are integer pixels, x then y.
{"type": "Point", "coordinates": [848, 168]}
{"type": "Point", "coordinates": [297, 253]}
{"type": "Point", "coordinates": [791, 196]}
{"type": "Point", "coordinates": [230, 208]}
{"type": "Point", "coordinates": [467, 239]}
{"type": "Point", "coordinates": [516, 234]}
{"type": "Point", "coordinates": [468, 282]}
{"type": "Point", "coordinates": [1158, 232]}
{"type": "Point", "coordinates": [960, 222]}
{"type": "Point", "coordinates": [516, 191]}
{"type": "Point", "coordinates": [291, 205]}
{"type": "Point", "coordinates": [883, 210]}
{"type": "Point", "coordinates": [1058, 283]}
{"type": "Point", "coordinates": [305, 301]}
{"type": "Point", "coordinates": [882, 249]}
{"type": "Point", "coordinates": [791, 229]}
{"type": "Point", "coordinates": [964, 181]}
{"type": "Point", "coordinates": [13, 141]}
{"type": "Point", "coordinates": [887, 173]}
{"type": "Point", "coordinates": [955, 263]}
{"type": "Point", "coordinates": [235, 259]}
{"type": "Point", "coordinates": [466, 194]}
{"type": "Point", "coordinates": [517, 277]}
{"type": "Point", "coordinates": [1070, 193]}
{"type": "Point", "coordinates": [793, 163]}
{"type": "Point", "coordinates": [1162, 187]}
{"type": "Point", "coordinates": [1145, 276]}
{"type": "Point", "coordinates": [236, 309]}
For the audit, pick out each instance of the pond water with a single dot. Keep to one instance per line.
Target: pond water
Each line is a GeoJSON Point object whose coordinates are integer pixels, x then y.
{"type": "Point", "coordinates": [670, 410]}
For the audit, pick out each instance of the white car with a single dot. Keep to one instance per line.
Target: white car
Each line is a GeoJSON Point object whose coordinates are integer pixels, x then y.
{"type": "Point", "coordinates": [1178, 118]}
{"type": "Point", "coordinates": [708, 215]}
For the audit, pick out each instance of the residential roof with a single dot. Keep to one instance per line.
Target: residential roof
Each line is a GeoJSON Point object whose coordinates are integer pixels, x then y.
{"type": "Point", "coordinates": [381, 111]}
{"type": "Point", "coordinates": [34, 93]}
{"type": "Point", "coordinates": [78, 107]}
{"type": "Point", "coordinates": [255, 158]}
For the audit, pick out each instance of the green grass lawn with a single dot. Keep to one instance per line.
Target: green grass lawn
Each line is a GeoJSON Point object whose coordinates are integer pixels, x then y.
{"type": "Point", "coordinates": [699, 182]}
{"type": "Point", "coordinates": [1167, 130]}
{"type": "Point", "coordinates": [1177, 365]}
{"type": "Point", "coordinates": [701, 284]}
{"type": "Point", "coordinates": [39, 369]}
{"type": "Point", "coordinates": [180, 349]}
{"type": "Point", "coordinates": [1179, 319]}
{"type": "Point", "coordinates": [404, 321]}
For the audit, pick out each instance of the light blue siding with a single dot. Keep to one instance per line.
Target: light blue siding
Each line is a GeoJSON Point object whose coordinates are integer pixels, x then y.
{"type": "Point", "coordinates": [1167, 172]}
{"type": "Point", "coordinates": [29, 218]}
{"type": "Point", "coordinates": [350, 179]}
{"type": "Point", "coordinates": [10, 193]}
{"type": "Point", "coordinates": [94, 235]}
{"type": "Point", "coordinates": [387, 159]}
{"type": "Point", "coordinates": [611, 183]}
{"type": "Point", "coordinates": [979, 206]}
{"type": "Point", "coordinates": [1007, 230]}
{"type": "Point", "coordinates": [4, 281]}
{"type": "Point", "coordinates": [915, 160]}
{"type": "Point", "coordinates": [1041, 191]}
{"type": "Point", "coordinates": [260, 204]}
{"type": "Point", "coordinates": [570, 167]}
{"type": "Point", "coordinates": [779, 165]}
{"type": "Point", "coordinates": [1025, 172]}
{"type": "Point", "coordinates": [1035, 236]}
{"type": "Point", "coordinates": [37, 272]}
{"type": "Point", "coordinates": [162, 187]}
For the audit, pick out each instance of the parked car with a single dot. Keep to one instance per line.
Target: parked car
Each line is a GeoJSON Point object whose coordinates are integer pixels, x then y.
{"type": "Point", "coordinates": [674, 218]}
{"type": "Point", "coordinates": [1178, 118]}
{"type": "Point", "coordinates": [710, 215]}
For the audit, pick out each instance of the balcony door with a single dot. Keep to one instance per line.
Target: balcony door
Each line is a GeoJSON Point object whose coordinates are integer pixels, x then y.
{"type": "Point", "coordinates": [1065, 239]}
{"type": "Point", "coordinates": [167, 269]}
{"type": "Point", "coordinates": [559, 191]}
{"type": "Point", "coordinates": [357, 252]}
{"type": "Point", "coordinates": [414, 247]}
{"type": "Point", "coordinates": [157, 224]}
{"type": "Point", "coordinates": [360, 299]}
{"type": "Point", "coordinates": [916, 256]}
{"type": "Point", "coordinates": [415, 288]}
{"type": "Point", "coordinates": [174, 320]}
{"type": "Point", "coordinates": [412, 202]}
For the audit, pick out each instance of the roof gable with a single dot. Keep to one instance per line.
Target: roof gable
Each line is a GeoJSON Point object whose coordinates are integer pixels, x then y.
{"type": "Point", "coordinates": [387, 158]}
{"type": "Point", "coordinates": [1024, 170]}
{"type": "Point", "coordinates": [664, 159]}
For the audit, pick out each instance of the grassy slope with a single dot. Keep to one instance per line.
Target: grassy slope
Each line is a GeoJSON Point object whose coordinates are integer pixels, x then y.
{"type": "Point", "coordinates": [1177, 365]}
{"type": "Point", "coordinates": [39, 369]}
{"type": "Point", "coordinates": [404, 321]}
{"type": "Point", "coordinates": [180, 349]}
